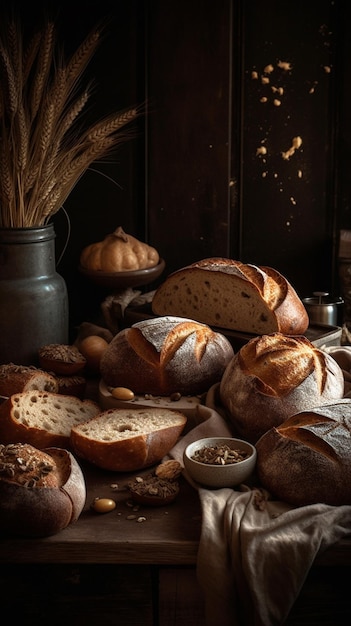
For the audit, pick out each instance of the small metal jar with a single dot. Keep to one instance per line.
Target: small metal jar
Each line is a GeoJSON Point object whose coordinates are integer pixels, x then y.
{"type": "Point", "coordinates": [324, 310]}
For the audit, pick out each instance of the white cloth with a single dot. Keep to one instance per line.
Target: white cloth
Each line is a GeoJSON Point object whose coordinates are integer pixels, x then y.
{"type": "Point", "coordinates": [255, 552]}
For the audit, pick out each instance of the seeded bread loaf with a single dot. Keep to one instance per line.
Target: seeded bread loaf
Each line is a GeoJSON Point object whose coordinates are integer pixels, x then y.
{"type": "Point", "coordinates": [274, 376]}
{"type": "Point", "coordinates": [17, 378]}
{"type": "Point", "coordinates": [164, 355]}
{"type": "Point", "coordinates": [229, 294]}
{"type": "Point", "coordinates": [126, 440]}
{"type": "Point", "coordinates": [42, 419]}
{"type": "Point", "coordinates": [62, 359]}
{"type": "Point", "coordinates": [308, 458]}
{"type": "Point", "coordinates": [41, 491]}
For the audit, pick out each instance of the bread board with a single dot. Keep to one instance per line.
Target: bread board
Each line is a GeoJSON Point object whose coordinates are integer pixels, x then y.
{"type": "Point", "coordinates": [319, 334]}
{"type": "Point", "coordinates": [186, 404]}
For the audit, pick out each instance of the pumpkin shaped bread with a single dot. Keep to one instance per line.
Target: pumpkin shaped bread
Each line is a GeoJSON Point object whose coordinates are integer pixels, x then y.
{"type": "Point", "coordinates": [118, 252]}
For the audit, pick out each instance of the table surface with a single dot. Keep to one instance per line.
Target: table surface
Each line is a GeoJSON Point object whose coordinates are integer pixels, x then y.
{"type": "Point", "coordinates": [130, 534]}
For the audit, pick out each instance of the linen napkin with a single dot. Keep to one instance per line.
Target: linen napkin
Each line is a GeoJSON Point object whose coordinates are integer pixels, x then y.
{"type": "Point", "coordinates": [255, 552]}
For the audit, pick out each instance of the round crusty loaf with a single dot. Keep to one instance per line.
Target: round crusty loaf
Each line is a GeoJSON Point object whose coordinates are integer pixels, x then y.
{"type": "Point", "coordinates": [308, 458]}
{"type": "Point", "coordinates": [165, 355]}
{"type": "Point", "coordinates": [41, 491]}
{"type": "Point", "coordinates": [15, 378]}
{"type": "Point", "coordinates": [273, 377]}
{"type": "Point", "coordinates": [42, 419]}
{"type": "Point", "coordinates": [127, 440]}
{"type": "Point", "coordinates": [226, 293]}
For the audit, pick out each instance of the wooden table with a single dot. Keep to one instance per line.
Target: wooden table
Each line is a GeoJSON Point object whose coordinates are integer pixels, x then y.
{"type": "Point", "coordinates": [105, 565]}
{"type": "Point", "coordinates": [167, 535]}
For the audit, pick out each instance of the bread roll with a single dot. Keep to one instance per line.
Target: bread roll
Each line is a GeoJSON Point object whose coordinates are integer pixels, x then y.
{"type": "Point", "coordinates": [229, 294]}
{"type": "Point", "coordinates": [165, 355]}
{"type": "Point", "coordinates": [62, 359]}
{"type": "Point", "coordinates": [42, 419]}
{"type": "Point", "coordinates": [41, 491]}
{"type": "Point", "coordinates": [126, 440]}
{"type": "Point", "coordinates": [308, 458]}
{"type": "Point", "coordinates": [273, 377]}
{"type": "Point", "coordinates": [17, 378]}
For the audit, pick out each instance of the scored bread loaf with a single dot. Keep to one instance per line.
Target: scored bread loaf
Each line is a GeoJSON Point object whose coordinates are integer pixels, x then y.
{"type": "Point", "coordinates": [164, 355]}
{"type": "Point", "coordinates": [308, 458]}
{"type": "Point", "coordinates": [126, 440]}
{"type": "Point", "coordinates": [233, 295]}
{"type": "Point", "coordinates": [273, 377]}
{"type": "Point", "coordinates": [42, 419]}
{"type": "Point", "coordinates": [16, 378]}
{"type": "Point", "coordinates": [41, 491]}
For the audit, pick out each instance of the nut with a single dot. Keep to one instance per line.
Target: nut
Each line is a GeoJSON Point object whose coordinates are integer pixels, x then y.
{"type": "Point", "coordinates": [169, 470]}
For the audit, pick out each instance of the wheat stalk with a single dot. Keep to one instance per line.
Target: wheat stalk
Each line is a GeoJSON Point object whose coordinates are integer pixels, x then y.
{"type": "Point", "coordinates": [44, 149]}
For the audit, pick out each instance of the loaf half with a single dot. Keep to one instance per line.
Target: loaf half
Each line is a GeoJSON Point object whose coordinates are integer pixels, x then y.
{"type": "Point", "coordinates": [16, 378]}
{"type": "Point", "coordinates": [41, 491]}
{"type": "Point", "coordinates": [229, 294]}
{"type": "Point", "coordinates": [274, 376]}
{"type": "Point", "coordinates": [165, 355]}
{"type": "Point", "coordinates": [308, 458]}
{"type": "Point", "coordinates": [124, 440]}
{"type": "Point", "coordinates": [42, 419]}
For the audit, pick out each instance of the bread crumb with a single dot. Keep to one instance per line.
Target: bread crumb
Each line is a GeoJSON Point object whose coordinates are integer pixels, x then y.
{"type": "Point", "coordinates": [284, 65]}
{"type": "Point", "coordinates": [261, 150]}
{"type": "Point", "coordinates": [268, 69]}
{"type": "Point", "coordinates": [295, 145]}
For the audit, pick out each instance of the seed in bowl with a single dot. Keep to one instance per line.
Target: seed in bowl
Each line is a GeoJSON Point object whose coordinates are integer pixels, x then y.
{"type": "Point", "coordinates": [219, 455]}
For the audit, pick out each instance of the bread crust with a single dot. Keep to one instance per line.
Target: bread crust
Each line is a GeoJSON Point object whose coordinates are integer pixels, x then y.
{"type": "Point", "coordinates": [165, 355]}
{"type": "Point", "coordinates": [274, 376]}
{"type": "Point", "coordinates": [226, 293]}
{"type": "Point", "coordinates": [16, 378]}
{"type": "Point", "coordinates": [308, 458]}
{"type": "Point", "coordinates": [44, 507]}
{"type": "Point", "coordinates": [126, 440]}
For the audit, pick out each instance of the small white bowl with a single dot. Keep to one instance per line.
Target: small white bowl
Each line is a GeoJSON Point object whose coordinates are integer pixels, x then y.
{"type": "Point", "coordinates": [217, 476]}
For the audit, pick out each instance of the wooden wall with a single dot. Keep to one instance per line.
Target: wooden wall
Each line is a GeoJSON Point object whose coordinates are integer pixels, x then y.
{"type": "Point", "coordinates": [193, 182]}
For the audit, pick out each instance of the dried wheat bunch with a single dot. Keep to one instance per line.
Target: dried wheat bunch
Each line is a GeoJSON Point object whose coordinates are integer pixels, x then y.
{"type": "Point", "coordinates": [44, 147]}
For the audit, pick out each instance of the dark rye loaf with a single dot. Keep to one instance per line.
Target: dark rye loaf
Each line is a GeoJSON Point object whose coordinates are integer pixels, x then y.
{"type": "Point", "coordinates": [308, 458]}
{"type": "Point", "coordinates": [229, 294]}
{"type": "Point", "coordinates": [41, 491]}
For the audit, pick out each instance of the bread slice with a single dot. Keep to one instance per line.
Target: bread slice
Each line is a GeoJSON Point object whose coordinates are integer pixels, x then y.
{"type": "Point", "coordinates": [126, 440]}
{"type": "Point", "coordinates": [42, 419]}
{"type": "Point", "coordinates": [229, 294]}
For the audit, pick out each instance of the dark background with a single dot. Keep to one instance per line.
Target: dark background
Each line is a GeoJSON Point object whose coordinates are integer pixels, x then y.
{"type": "Point", "coordinates": [191, 183]}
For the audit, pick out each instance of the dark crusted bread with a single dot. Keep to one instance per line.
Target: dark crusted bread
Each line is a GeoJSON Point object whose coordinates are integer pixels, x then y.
{"type": "Point", "coordinates": [308, 458]}
{"type": "Point", "coordinates": [229, 294]}
{"type": "Point", "coordinates": [273, 377]}
{"type": "Point", "coordinates": [41, 491]}
{"type": "Point", "coordinates": [127, 440]}
{"type": "Point", "coordinates": [42, 419]}
{"type": "Point", "coordinates": [165, 355]}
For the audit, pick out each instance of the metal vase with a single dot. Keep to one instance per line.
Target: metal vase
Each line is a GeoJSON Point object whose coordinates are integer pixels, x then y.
{"type": "Point", "coordinates": [33, 296]}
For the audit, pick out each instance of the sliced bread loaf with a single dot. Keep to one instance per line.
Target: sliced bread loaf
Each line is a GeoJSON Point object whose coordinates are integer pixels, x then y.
{"type": "Point", "coordinates": [16, 378]}
{"type": "Point", "coordinates": [126, 440]}
{"type": "Point", "coordinates": [229, 294]}
{"type": "Point", "coordinates": [42, 419]}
